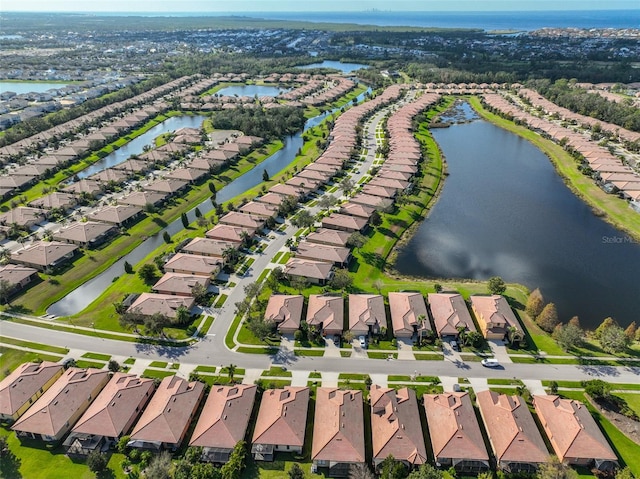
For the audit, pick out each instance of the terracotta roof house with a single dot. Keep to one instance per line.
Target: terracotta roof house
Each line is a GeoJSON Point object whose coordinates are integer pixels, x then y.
{"type": "Point", "coordinates": [86, 186]}
{"type": "Point", "coordinates": [574, 434]}
{"type": "Point", "coordinates": [118, 215]}
{"type": "Point", "coordinates": [281, 422]}
{"type": "Point", "coordinates": [382, 191]}
{"type": "Point", "coordinates": [408, 314]}
{"type": "Point", "coordinates": [223, 421]}
{"type": "Point", "coordinates": [23, 216]}
{"type": "Point", "coordinates": [191, 175]}
{"type": "Point", "coordinates": [235, 218]}
{"type": "Point", "coordinates": [371, 201]}
{"type": "Point", "coordinates": [143, 198]}
{"type": "Point", "coordinates": [229, 233]}
{"type": "Point", "coordinates": [110, 175]}
{"type": "Point", "coordinates": [148, 304]}
{"type": "Point", "coordinates": [329, 236]}
{"type": "Point", "coordinates": [20, 389]}
{"type": "Point", "coordinates": [44, 255]}
{"type": "Point", "coordinates": [17, 276]}
{"type": "Point", "coordinates": [495, 318]}
{"type": "Point", "coordinates": [338, 255]}
{"type": "Point", "coordinates": [16, 182]}
{"type": "Point", "coordinates": [166, 418]}
{"type": "Point", "coordinates": [367, 314]}
{"type": "Point", "coordinates": [55, 200]}
{"type": "Point", "coordinates": [395, 426]}
{"type": "Point", "coordinates": [272, 199]}
{"type": "Point", "coordinates": [317, 272]}
{"type": "Point", "coordinates": [286, 311]}
{"type": "Point", "coordinates": [287, 190]}
{"type": "Point", "coordinates": [88, 234]}
{"type": "Point", "coordinates": [193, 264]}
{"type": "Point", "coordinates": [358, 210]}
{"type": "Point", "coordinates": [307, 184]}
{"type": "Point", "coordinates": [338, 430]}
{"type": "Point", "coordinates": [111, 415]}
{"type": "Point", "coordinates": [326, 313]}
{"type": "Point", "coordinates": [179, 284]}
{"type": "Point", "coordinates": [57, 410]}
{"type": "Point", "coordinates": [449, 312]}
{"type": "Point", "coordinates": [455, 433]}
{"type": "Point", "coordinates": [259, 209]}
{"type": "Point", "coordinates": [168, 186]}
{"type": "Point", "coordinates": [515, 439]}
{"type": "Point", "coordinates": [342, 222]}
{"type": "Point", "coordinates": [208, 247]}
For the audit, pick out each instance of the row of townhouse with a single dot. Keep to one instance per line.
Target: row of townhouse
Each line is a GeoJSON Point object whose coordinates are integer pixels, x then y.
{"type": "Point", "coordinates": [96, 408]}
{"type": "Point", "coordinates": [409, 313]}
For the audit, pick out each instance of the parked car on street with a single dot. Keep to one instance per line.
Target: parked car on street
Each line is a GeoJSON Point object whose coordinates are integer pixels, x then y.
{"type": "Point", "coordinates": [490, 363]}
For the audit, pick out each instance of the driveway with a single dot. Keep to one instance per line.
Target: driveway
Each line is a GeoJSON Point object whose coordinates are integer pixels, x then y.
{"type": "Point", "coordinates": [499, 350]}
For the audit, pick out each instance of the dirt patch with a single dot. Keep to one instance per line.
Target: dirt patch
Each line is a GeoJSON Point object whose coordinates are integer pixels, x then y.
{"type": "Point", "coordinates": [626, 425]}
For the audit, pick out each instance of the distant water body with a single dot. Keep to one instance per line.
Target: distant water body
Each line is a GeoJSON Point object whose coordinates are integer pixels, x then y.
{"type": "Point", "coordinates": [522, 21]}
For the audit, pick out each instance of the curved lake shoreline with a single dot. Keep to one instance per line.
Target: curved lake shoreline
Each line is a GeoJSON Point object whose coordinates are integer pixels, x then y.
{"type": "Point", "coordinates": [467, 235]}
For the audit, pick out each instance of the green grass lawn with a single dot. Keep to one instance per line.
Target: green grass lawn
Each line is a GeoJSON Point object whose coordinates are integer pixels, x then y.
{"type": "Point", "coordinates": [277, 371]}
{"type": "Point", "coordinates": [221, 300]}
{"type": "Point", "coordinates": [206, 369]}
{"type": "Point", "coordinates": [129, 361]}
{"type": "Point", "coordinates": [158, 364]}
{"type": "Point", "coordinates": [31, 345]}
{"type": "Point", "coordinates": [12, 358]}
{"type": "Point", "coordinates": [633, 400]}
{"type": "Point", "coordinates": [100, 357]}
{"type": "Point", "coordinates": [154, 373]}
{"type": "Point", "coordinates": [89, 364]}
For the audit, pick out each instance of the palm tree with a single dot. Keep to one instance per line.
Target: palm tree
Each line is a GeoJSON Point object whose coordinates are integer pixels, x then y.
{"type": "Point", "coordinates": [230, 255]}
{"type": "Point", "coordinates": [231, 370]}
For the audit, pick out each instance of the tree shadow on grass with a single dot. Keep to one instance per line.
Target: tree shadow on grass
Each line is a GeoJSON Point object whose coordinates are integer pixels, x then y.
{"type": "Point", "coordinates": [10, 465]}
{"type": "Point", "coordinates": [159, 221]}
{"type": "Point", "coordinates": [373, 259]}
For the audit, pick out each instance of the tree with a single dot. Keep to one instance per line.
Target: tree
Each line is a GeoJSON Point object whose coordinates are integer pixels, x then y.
{"type": "Point", "coordinates": [606, 323]}
{"type": "Point", "coordinates": [122, 445]}
{"type": "Point", "coordinates": [182, 315]}
{"type": "Point", "coordinates": [252, 290]}
{"type": "Point", "coordinates": [357, 240]}
{"type": "Point", "coordinates": [548, 318]}
{"type": "Point", "coordinates": [597, 388]}
{"type": "Point", "coordinates": [437, 287]}
{"type": "Point", "coordinates": [113, 366]}
{"type": "Point", "coordinates": [624, 473]}
{"type": "Point", "coordinates": [614, 340]}
{"type": "Point", "coordinates": [555, 469]}
{"type": "Point", "coordinates": [261, 327]}
{"type": "Point", "coordinates": [166, 237]}
{"type": "Point", "coordinates": [361, 471]}
{"type": "Point", "coordinates": [553, 387]}
{"type": "Point", "coordinates": [376, 218]}
{"type": "Point", "coordinates": [200, 294]}
{"type": "Point", "coordinates": [197, 212]}
{"type": "Point", "coordinates": [155, 324]}
{"type": "Point", "coordinates": [327, 201]}
{"type": "Point", "coordinates": [233, 468]}
{"type": "Point", "coordinates": [341, 280]}
{"type": "Point", "coordinates": [148, 273]}
{"type": "Point", "coordinates": [631, 331]}
{"type": "Point", "coordinates": [97, 462]}
{"type": "Point", "coordinates": [128, 268]}
{"type": "Point", "coordinates": [426, 471]}
{"type": "Point", "coordinates": [347, 184]}
{"type": "Point", "coordinates": [535, 304]}
{"type": "Point", "coordinates": [568, 336]}
{"type": "Point", "coordinates": [575, 321]}
{"type": "Point", "coordinates": [6, 288]}
{"type": "Point", "coordinates": [392, 469]}
{"type": "Point", "coordinates": [231, 370]}
{"type": "Point", "coordinates": [185, 220]}
{"type": "Point", "coordinates": [496, 285]}
{"type": "Point", "coordinates": [299, 283]}
{"type": "Point", "coordinates": [265, 175]}
{"type": "Point", "coordinates": [295, 472]}
{"type": "Point", "coordinates": [212, 189]}
{"type": "Point", "coordinates": [303, 219]}
{"type": "Point", "coordinates": [159, 466]}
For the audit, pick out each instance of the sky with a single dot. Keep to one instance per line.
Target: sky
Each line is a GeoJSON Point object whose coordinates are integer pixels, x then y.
{"type": "Point", "coordinates": [235, 6]}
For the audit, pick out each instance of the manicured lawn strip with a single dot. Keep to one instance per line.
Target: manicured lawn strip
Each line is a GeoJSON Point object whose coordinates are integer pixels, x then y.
{"type": "Point", "coordinates": [532, 360]}
{"type": "Point", "coordinates": [345, 354]}
{"type": "Point", "coordinates": [310, 352]}
{"type": "Point", "coordinates": [158, 364]}
{"type": "Point", "coordinates": [221, 300]}
{"type": "Point", "coordinates": [175, 366]}
{"type": "Point", "coordinates": [397, 378]}
{"type": "Point", "coordinates": [99, 357]}
{"type": "Point", "coordinates": [633, 400]}
{"type": "Point", "coordinates": [428, 357]}
{"type": "Point", "coordinates": [263, 275]}
{"type": "Point", "coordinates": [384, 355]}
{"type": "Point", "coordinates": [36, 461]}
{"type": "Point", "coordinates": [153, 373]}
{"type": "Point", "coordinates": [277, 256]}
{"type": "Point", "coordinates": [12, 358]}
{"type": "Point", "coordinates": [204, 329]}
{"type": "Point", "coordinates": [504, 382]}
{"type": "Point", "coordinates": [509, 391]}
{"type": "Point", "coordinates": [32, 345]}
{"type": "Point", "coordinates": [277, 371]}
{"type": "Point", "coordinates": [471, 358]}
{"type": "Point", "coordinates": [237, 371]}
{"type": "Point", "coordinates": [383, 345]}
{"type": "Point", "coordinates": [258, 350]}
{"type": "Point", "coordinates": [129, 361]}
{"type": "Point", "coordinates": [315, 375]}
{"type": "Point", "coordinates": [228, 339]}
{"type": "Point", "coordinates": [353, 376]}
{"type": "Point", "coordinates": [285, 257]}
{"type": "Point", "coordinates": [564, 384]}
{"type": "Point", "coordinates": [617, 211]}
{"type": "Point", "coordinates": [269, 383]}
{"type": "Point", "coordinates": [206, 369]}
{"type": "Point", "coordinates": [89, 364]}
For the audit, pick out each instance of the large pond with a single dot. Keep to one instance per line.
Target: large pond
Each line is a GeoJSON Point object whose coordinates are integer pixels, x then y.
{"type": "Point", "coordinates": [343, 67]}
{"type": "Point", "coordinates": [504, 211]}
{"type": "Point", "coordinates": [84, 295]}
{"type": "Point", "coordinates": [136, 146]}
{"type": "Point", "coordinates": [29, 86]}
{"type": "Point", "coordinates": [250, 90]}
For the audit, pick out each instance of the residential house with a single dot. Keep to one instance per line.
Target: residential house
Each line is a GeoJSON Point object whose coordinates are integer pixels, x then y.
{"type": "Point", "coordinates": [326, 313]}
{"type": "Point", "coordinates": [57, 410]}
{"type": "Point", "coordinates": [167, 417]}
{"type": "Point", "coordinates": [193, 264]}
{"type": "Point", "coordinates": [316, 272]}
{"type": "Point", "coordinates": [23, 216]}
{"type": "Point", "coordinates": [408, 314]}
{"type": "Point", "coordinates": [120, 215]}
{"type": "Point", "coordinates": [256, 208]}
{"type": "Point", "coordinates": [179, 284]}
{"type": "Point", "coordinates": [87, 234]}
{"type": "Point", "coordinates": [338, 431]}
{"type": "Point", "coordinates": [17, 276]}
{"type": "Point", "coordinates": [454, 431]}
{"type": "Point", "coordinates": [281, 422]}
{"type": "Point", "coordinates": [223, 421]}
{"type": "Point", "coordinates": [515, 439]}
{"type": "Point", "coordinates": [55, 200]}
{"type": "Point", "coordinates": [20, 389]}
{"type": "Point", "coordinates": [573, 433]}
{"type": "Point", "coordinates": [395, 426]}
{"type": "Point", "coordinates": [329, 236]}
{"type": "Point", "coordinates": [148, 304]}
{"type": "Point", "coordinates": [367, 314]}
{"type": "Point", "coordinates": [44, 255]}
{"type": "Point", "coordinates": [242, 220]}
{"type": "Point", "coordinates": [450, 314]}
{"type": "Point", "coordinates": [111, 415]}
{"type": "Point", "coordinates": [496, 319]}
{"type": "Point", "coordinates": [213, 248]}
{"type": "Point", "coordinates": [286, 311]}
{"type": "Point", "coordinates": [143, 199]}
{"type": "Point", "coordinates": [338, 255]}
{"type": "Point", "coordinates": [229, 233]}
{"type": "Point", "coordinates": [342, 222]}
